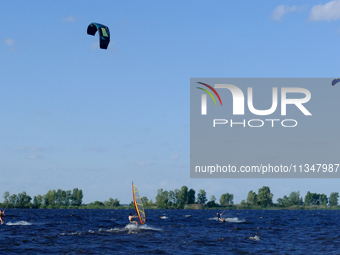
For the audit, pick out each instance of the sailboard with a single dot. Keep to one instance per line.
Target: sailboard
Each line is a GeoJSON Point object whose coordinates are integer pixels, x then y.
{"type": "Point", "coordinates": [137, 200]}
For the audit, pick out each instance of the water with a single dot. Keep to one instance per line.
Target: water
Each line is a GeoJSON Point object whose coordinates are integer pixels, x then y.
{"type": "Point", "coordinates": [170, 232]}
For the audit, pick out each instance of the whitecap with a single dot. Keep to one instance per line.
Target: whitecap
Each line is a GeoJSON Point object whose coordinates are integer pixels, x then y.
{"type": "Point", "coordinates": [232, 220]}
{"type": "Point", "coordinates": [235, 220]}
{"type": "Point", "coordinates": [132, 228]}
{"type": "Point", "coordinates": [70, 234]}
{"type": "Point", "coordinates": [255, 238]}
{"type": "Point", "coordinates": [150, 228]}
{"type": "Point", "coordinates": [19, 223]}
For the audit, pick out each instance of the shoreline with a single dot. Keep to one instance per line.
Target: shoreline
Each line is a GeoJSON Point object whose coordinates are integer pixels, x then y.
{"type": "Point", "coordinates": [186, 207]}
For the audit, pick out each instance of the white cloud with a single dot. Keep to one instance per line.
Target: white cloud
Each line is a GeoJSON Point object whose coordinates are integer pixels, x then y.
{"type": "Point", "coordinates": [35, 156]}
{"type": "Point", "coordinates": [283, 10]}
{"type": "Point", "coordinates": [10, 43]}
{"type": "Point", "coordinates": [31, 148]}
{"type": "Point", "coordinates": [175, 156]}
{"type": "Point", "coordinates": [145, 163]}
{"type": "Point", "coordinates": [95, 45]}
{"type": "Point", "coordinates": [70, 19]}
{"type": "Point", "coordinates": [329, 11]}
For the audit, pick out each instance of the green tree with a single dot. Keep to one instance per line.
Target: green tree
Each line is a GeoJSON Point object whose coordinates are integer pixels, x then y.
{"type": "Point", "coordinates": [333, 199]}
{"type": "Point", "coordinates": [294, 198]}
{"type": "Point", "coordinates": [13, 199]}
{"type": "Point", "coordinates": [191, 196]}
{"type": "Point", "coordinates": [80, 197]}
{"type": "Point", "coordinates": [183, 196]}
{"type": "Point", "coordinates": [212, 203]}
{"type": "Point", "coordinates": [59, 197]}
{"type": "Point", "coordinates": [252, 198]}
{"type": "Point", "coordinates": [116, 202]}
{"type": "Point", "coordinates": [6, 197]}
{"type": "Point", "coordinates": [112, 202]}
{"type": "Point", "coordinates": [173, 197]}
{"type": "Point", "coordinates": [315, 199]}
{"type": "Point", "coordinates": [50, 198]}
{"type": "Point", "coordinates": [77, 197]}
{"type": "Point", "coordinates": [323, 200]}
{"type": "Point", "coordinates": [202, 197]}
{"type": "Point", "coordinates": [264, 197]}
{"type": "Point", "coordinates": [97, 204]}
{"type": "Point", "coordinates": [23, 200]}
{"type": "Point", "coordinates": [308, 198]}
{"type": "Point", "coordinates": [226, 199]}
{"type": "Point", "coordinates": [283, 202]}
{"type": "Point", "coordinates": [37, 201]}
{"type": "Point", "coordinates": [68, 197]}
{"type": "Point", "coordinates": [145, 200]}
{"type": "Point", "coordinates": [162, 199]}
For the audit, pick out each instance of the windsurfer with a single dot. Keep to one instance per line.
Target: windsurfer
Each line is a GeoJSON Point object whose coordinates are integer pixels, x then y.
{"type": "Point", "coordinates": [131, 217]}
{"type": "Point", "coordinates": [1, 215]}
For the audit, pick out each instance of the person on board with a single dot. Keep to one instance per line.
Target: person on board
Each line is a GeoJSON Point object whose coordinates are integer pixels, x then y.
{"type": "Point", "coordinates": [1, 215]}
{"type": "Point", "coordinates": [132, 221]}
{"type": "Point", "coordinates": [219, 217]}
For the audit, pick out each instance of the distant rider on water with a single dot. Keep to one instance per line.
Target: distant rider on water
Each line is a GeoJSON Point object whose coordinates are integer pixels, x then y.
{"type": "Point", "coordinates": [219, 217]}
{"type": "Point", "coordinates": [1, 215]}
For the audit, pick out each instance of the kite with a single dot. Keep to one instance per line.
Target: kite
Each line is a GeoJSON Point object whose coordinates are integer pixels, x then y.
{"type": "Point", "coordinates": [103, 31]}
{"type": "Point", "coordinates": [335, 81]}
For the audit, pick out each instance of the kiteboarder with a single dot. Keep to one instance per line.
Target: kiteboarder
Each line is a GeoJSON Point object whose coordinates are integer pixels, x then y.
{"type": "Point", "coordinates": [1, 215]}
{"type": "Point", "coordinates": [219, 217]}
{"type": "Point", "coordinates": [131, 217]}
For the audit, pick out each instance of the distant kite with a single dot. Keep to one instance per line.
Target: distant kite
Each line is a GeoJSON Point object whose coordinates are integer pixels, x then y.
{"type": "Point", "coordinates": [103, 31]}
{"type": "Point", "coordinates": [335, 81]}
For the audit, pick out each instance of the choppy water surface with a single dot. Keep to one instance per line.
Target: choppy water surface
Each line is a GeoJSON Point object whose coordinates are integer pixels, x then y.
{"type": "Point", "coordinates": [170, 232]}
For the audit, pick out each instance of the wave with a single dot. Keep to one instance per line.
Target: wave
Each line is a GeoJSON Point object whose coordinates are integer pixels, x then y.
{"type": "Point", "coordinates": [131, 228]}
{"type": "Point", "coordinates": [143, 227]}
{"type": "Point", "coordinates": [163, 217]}
{"type": "Point", "coordinates": [19, 223]}
{"type": "Point", "coordinates": [255, 238]}
{"type": "Point", "coordinates": [70, 234]}
{"type": "Point", "coordinates": [232, 220]}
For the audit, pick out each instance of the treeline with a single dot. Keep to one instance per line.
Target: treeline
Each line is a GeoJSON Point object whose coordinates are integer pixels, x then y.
{"type": "Point", "coordinates": [264, 199]}
{"type": "Point", "coordinates": [185, 198]}
{"type": "Point", "coordinates": [175, 199]}
{"type": "Point", "coordinates": [180, 198]}
{"type": "Point", "coordinates": [52, 199]}
{"type": "Point", "coordinates": [111, 203]}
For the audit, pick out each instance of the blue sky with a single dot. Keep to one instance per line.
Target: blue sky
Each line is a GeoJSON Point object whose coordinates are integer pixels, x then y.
{"type": "Point", "coordinates": [73, 115]}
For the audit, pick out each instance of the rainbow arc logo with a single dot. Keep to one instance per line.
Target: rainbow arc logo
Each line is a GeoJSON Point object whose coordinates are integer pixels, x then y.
{"type": "Point", "coordinates": [204, 97]}
{"type": "Point", "coordinates": [208, 92]}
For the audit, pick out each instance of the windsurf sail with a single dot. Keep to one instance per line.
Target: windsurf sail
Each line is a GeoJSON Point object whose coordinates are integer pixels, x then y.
{"type": "Point", "coordinates": [137, 200]}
